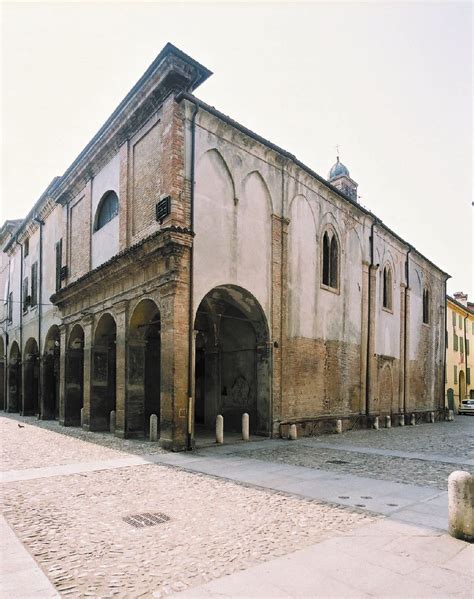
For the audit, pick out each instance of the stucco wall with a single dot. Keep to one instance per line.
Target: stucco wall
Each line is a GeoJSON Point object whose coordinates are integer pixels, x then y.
{"type": "Point", "coordinates": [105, 241]}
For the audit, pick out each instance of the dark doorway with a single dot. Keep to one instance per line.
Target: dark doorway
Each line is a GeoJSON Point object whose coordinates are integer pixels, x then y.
{"type": "Point", "coordinates": [103, 377]}
{"type": "Point", "coordinates": [74, 393]}
{"type": "Point", "coordinates": [51, 375]}
{"type": "Point", "coordinates": [232, 361]}
{"type": "Point", "coordinates": [31, 379]}
{"type": "Point", "coordinates": [144, 368]}
{"type": "Point", "coordinates": [14, 379]}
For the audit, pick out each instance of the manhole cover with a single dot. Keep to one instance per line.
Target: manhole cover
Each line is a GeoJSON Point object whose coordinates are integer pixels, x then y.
{"type": "Point", "coordinates": [143, 520]}
{"type": "Point", "coordinates": [336, 462]}
{"type": "Point", "coordinates": [393, 504]}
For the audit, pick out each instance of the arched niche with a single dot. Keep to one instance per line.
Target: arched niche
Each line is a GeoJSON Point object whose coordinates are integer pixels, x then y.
{"type": "Point", "coordinates": [302, 267]}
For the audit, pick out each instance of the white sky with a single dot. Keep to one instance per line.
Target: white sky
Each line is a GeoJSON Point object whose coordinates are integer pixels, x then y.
{"type": "Point", "coordinates": [391, 83]}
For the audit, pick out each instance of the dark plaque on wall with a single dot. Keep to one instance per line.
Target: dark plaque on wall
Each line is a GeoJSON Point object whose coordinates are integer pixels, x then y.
{"type": "Point", "coordinates": [136, 365]}
{"type": "Point", "coordinates": [100, 364]}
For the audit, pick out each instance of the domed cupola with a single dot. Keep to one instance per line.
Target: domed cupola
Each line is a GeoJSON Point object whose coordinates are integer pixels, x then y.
{"type": "Point", "coordinates": [340, 179]}
{"type": "Point", "coordinates": [337, 170]}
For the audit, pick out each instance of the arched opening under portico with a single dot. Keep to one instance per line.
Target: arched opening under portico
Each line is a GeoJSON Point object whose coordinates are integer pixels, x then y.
{"type": "Point", "coordinates": [74, 391]}
{"type": "Point", "coordinates": [144, 368]}
{"type": "Point", "coordinates": [232, 361]}
{"type": "Point", "coordinates": [103, 380]}
{"type": "Point", "coordinates": [2, 374]}
{"type": "Point", "coordinates": [14, 379]}
{"type": "Point", "coordinates": [51, 375]}
{"type": "Point", "coordinates": [31, 378]}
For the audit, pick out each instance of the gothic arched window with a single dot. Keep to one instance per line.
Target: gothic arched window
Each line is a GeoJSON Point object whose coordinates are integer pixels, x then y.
{"type": "Point", "coordinates": [426, 306]}
{"type": "Point", "coordinates": [330, 276]}
{"type": "Point", "coordinates": [108, 209]}
{"type": "Point", "coordinates": [387, 288]}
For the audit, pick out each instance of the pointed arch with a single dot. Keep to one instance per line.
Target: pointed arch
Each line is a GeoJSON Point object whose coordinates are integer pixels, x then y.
{"type": "Point", "coordinates": [218, 165]}
{"type": "Point", "coordinates": [257, 176]}
{"type": "Point", "coordinates": [302, 267]}
{"type": "Point", "coordinates": [330, 258]}
{"type": "Point", "coordinates": [387, 287]}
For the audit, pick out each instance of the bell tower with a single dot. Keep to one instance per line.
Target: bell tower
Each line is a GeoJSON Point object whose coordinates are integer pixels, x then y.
{"type": "Point", "coordinates": [340, 179]}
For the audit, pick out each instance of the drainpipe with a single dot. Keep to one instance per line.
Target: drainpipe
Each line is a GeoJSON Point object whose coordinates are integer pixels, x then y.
{"type": "Point", "coordinates": [40, 308]}
{"type": "Point", "coordinates": [189, 441]}
{"type": "Point", "coordinates": [465, 354]}
{"type": "Point", "coordinates": [369, 308]}
{"type": "Point", "coordinates": [405, 336]}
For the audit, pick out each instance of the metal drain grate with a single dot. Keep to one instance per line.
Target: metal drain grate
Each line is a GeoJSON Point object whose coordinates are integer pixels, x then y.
{"type": "Point", "coordinates": [143, 520]}
{"type": "Point", "coordinates": [336, 462]}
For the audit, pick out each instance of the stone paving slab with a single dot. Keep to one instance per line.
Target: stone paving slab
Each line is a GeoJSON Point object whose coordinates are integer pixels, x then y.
{"type": "Point", "coordinates": [376, 496]}
{"type": "Point", "coordinates": [32, 473]}
{"type": "Point", "coordinates": [21, 578]}
{"type": "Point", "coordinates": [382, 559]}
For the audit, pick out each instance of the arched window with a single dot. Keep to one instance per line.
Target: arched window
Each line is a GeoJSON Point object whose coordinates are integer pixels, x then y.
{"type": "Point", "coordinates": [426, 306]}
{"type": "Point", "coordinates": [107, 209]}
{"type": "Point", "coordinates": [387, 288]}
{"type": "Point", "coordinates": [330, 260]}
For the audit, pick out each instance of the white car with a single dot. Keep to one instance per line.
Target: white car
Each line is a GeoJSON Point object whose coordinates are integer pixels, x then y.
{"type": "Point", "coordinates": [467, 406]}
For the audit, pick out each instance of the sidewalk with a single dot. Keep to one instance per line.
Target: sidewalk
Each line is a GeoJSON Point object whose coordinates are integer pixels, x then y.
{"type": "Point", "coordinates": [382, 559]}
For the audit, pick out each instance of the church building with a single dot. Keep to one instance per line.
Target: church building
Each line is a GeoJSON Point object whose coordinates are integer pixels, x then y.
{"type": "Point", "coordinates": [186, 267]}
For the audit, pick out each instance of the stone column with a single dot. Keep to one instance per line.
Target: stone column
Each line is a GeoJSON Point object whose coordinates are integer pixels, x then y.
{"type": "Point", "coordinates": [62, 372]}
{"type": "Point", "coordinates": [174, 364]}
{"type": "Point", "coordinates": [87, 325]}
{"type": "Point", "coordinates": [121, 369]}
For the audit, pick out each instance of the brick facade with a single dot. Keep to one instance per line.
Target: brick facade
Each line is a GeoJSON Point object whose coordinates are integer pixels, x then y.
{"type": "Point", "coordinates": [258, 331]}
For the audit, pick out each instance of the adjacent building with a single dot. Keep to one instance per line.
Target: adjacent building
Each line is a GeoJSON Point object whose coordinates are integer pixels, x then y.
{"type": "Point", "coordinates": [459, 342]}
{"type": "Point", "coordinates": [186, 267]}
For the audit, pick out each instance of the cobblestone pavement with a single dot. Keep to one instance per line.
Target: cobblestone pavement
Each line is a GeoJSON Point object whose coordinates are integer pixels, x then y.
{"type": "Point", "coordinates": [34, 446]}
{"type": "Point", "coordinates": [73, 525]}
{"type": "Point", "coordinates": [445, 438]}
{"type": "Point", "coordinates": [454, 439]}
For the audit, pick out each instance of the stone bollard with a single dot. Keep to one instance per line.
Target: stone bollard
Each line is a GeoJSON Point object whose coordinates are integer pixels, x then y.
{"type": "Point", "coordinates": [82, 417]}
{"type": "Point", "coordinates": [112, 421]}
{"type": "Point", "coordinates": [338, 427]}
{"type": "Point", "coordinates": [375, 424]}
{"type": "Point", "coordinates": [388, 422]}
{"type": "Point", "coordinates": [219, 429]}
{"type": "Point", "coordinates": [450, 417]}
{"type": "Point", "coordinates": [401, 420]}
{"type": "Point", "coordinates": [245, 427]}
{"type": "Point", "coordinates": [432, 416]}
{"type": "Point", "coordinates": [293, 436]}
{"type": "Point", "coordinates": [461, 505]}
{"type": "Point", "coordinates": [412, 420]}
{"type": "Point", "coordinates": [153, 427]}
